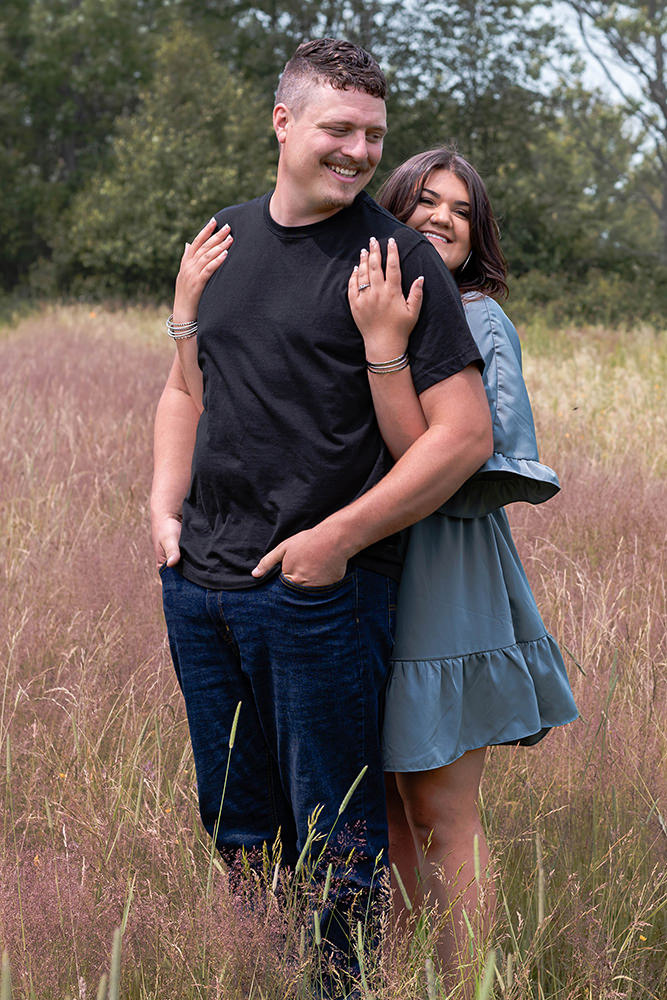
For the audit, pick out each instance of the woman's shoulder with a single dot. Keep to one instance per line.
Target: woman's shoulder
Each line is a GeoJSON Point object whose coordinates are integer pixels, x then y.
{"type": "Point", "coordinates": [487, 318]}
{"type": "Point", "coordinates": [483, 307]}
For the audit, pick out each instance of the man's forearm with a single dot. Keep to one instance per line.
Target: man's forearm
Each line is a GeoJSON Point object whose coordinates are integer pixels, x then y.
{"type": "Point", "coordinates": [457, 442]}
{"type": "Point", "coordinates": [425, 476]}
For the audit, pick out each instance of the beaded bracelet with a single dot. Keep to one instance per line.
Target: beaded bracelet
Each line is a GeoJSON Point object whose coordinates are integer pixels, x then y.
{"type": "Point", "coordinates": [181, 331]}
{"type": "Point", "coordinates": [385, 367]}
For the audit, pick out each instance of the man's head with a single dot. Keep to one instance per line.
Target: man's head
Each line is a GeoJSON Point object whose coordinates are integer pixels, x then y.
{"type": "Point", "coordinates": [330, 121]}
{"type": "Point", "coordinates": [341, 64]}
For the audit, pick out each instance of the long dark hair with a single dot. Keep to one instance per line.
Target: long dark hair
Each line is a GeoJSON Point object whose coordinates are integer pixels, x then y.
{"type": "Point", "coordinates": [486, 269]}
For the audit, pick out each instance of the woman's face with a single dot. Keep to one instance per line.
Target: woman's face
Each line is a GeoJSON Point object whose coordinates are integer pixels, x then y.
{"type": "Point", "coordinates": [443, 216]}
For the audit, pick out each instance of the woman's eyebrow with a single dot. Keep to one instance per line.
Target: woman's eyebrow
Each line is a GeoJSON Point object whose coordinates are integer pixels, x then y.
{"type": "Point", "coordinates": [434, 194]}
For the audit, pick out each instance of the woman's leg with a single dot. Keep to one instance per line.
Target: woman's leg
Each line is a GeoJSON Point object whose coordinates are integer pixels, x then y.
{"type": "Point", "coordinates": [441, 810]}
{"type": "Point", "coordinates": [402, 851]}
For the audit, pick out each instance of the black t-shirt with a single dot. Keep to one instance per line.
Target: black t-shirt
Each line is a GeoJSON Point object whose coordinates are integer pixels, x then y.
{"type": "Point", "coordinates": [288, 433]}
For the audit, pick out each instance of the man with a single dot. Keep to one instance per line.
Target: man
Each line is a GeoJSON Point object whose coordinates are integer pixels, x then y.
{"type": "Point", "coordinates": [286, 471]}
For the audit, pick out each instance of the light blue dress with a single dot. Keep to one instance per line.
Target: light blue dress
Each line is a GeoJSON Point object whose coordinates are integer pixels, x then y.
{"type": "Point", "coordinates": [473, 664]}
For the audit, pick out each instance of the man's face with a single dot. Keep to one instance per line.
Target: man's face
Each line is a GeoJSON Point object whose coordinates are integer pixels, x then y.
{"type": "Point", "coordinates": [329, 150]}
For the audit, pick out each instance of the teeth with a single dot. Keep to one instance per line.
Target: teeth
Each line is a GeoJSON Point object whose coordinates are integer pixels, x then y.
{"type": "Point", "coordinates": [436, 236]}
{"type": "Point", "coordinates": [345, 171]}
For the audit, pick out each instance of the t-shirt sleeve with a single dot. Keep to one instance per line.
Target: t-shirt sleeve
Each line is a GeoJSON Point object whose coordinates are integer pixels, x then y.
{"type": "Point", "coordinates": [441, 343]}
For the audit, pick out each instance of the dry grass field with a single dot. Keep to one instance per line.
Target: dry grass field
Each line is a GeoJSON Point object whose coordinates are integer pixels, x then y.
{"type": "Point", "coordinates": [107, 884]}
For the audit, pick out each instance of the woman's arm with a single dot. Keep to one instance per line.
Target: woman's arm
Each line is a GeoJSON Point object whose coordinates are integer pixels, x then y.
{"type": "Point", "coordinates": [200, 260]}
{"type": "Point", "coordinates": [173, 444]}
{"type": "Point", "coordinates": [385, 319]}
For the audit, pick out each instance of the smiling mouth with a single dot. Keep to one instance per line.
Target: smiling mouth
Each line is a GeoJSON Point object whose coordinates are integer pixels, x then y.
{"type": "Point", "coordinates": [436, 236]}
{"type": "Point", "coordinates": [343, 171]}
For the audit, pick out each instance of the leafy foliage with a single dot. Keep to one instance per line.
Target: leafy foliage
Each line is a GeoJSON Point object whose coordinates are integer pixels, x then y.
{"type": "Point", "coordinates": [127, 122]}
{"type": "Point", "coordinates": [629, 43]}
{"type": "Point", "coordinates": [198, 141]}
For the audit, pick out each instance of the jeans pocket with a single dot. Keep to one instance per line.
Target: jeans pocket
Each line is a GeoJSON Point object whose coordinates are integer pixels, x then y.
{"type": "Point", "coordinates": [164, 571]}
{"type": "Point", "coordinates": [328, 588]}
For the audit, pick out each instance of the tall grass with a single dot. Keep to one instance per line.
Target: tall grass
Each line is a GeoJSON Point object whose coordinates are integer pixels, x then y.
{"type": "Point", "coordinates": [108, 886]}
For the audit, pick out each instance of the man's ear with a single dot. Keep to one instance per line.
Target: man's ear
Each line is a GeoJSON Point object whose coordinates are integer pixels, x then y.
{"type": "Point", "coordinates": [281, 121]}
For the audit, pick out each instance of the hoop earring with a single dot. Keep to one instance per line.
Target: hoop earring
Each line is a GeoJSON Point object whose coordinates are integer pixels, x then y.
{"type": "Point", "coordinates": [465, 262]}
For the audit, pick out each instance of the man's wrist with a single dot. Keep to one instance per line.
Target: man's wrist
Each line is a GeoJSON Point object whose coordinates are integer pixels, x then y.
{"type": "Point", "coordinates": [342, 530]}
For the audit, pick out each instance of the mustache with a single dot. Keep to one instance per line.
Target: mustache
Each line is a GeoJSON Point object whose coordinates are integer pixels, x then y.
{"type": "Point", "coordinates": [349, 164]}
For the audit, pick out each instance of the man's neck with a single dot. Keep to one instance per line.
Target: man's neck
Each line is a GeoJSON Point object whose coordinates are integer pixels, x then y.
{"type": "Point", "coordinates": [286, 212]}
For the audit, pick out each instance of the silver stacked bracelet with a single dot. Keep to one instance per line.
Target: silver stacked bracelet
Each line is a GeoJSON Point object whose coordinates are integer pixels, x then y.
{"type": "Point", "coordinates": [385, 367]}
{"type": "Point", "coordinates": [181, 331]}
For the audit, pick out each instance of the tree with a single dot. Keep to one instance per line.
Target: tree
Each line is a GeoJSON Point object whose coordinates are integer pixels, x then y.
{"type": "Point", "coordinates": [198, 141]}
{"type": "Point", "coordinates": [562, 209]}
{"type": "Point", "coordinates": [68, 69]}
{"type": "Point", "coordinates": [633, 37]}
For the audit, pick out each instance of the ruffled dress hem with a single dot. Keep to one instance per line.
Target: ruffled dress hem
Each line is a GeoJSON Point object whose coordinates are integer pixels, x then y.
{"type": "Point", "coordinates": [438, 709]}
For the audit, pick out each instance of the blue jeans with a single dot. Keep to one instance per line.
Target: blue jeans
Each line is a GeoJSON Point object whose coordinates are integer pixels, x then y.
{"type": "Point", "coordinates": [309, 666]}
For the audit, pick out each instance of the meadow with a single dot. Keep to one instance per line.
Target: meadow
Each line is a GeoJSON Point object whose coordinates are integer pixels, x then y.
{"type": "Point", "coordinates": [107, 884]}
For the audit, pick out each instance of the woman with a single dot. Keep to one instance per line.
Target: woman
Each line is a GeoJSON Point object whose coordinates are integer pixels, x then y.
{"type": "Point", "coordinates": [473, 664]}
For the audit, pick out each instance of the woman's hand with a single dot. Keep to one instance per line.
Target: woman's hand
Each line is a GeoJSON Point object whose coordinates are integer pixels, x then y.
{"type": "Point", "coordinates": [200, 260]}
{"type": "Point", "coordinates": [384, 316]}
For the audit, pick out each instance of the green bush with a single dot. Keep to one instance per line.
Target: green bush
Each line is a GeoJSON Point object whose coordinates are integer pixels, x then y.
{"type": "Point", "coordinates": [200, 140]}
{"type": "Point", "coordinates": [601, 298]}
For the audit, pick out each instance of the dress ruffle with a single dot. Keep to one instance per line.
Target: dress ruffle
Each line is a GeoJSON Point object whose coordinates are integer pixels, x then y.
{"type": "Point", "coordinates": [514, 472]}
{"type": "Point", "coordinates": [436, 710]}
{"type": "Point", "coordinates": [502, 480]}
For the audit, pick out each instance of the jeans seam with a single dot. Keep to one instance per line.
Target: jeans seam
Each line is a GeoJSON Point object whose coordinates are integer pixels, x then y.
{"type": "Point", "coordinates": [220, 622]}
{"type": "Point", "coordinates": [391, 610]}
{"type": "Point", "coordinates": [364, 720]}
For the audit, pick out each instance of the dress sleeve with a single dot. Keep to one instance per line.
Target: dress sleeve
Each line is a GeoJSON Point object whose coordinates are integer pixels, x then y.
{"type": "Point", "coordinates": [514, 471]}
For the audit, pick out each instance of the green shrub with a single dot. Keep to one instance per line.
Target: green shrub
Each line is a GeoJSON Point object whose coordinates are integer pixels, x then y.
{"type": "Point", "coordinates": [601, 298]}
{"type": "Point", "coordinates": [180, 158]}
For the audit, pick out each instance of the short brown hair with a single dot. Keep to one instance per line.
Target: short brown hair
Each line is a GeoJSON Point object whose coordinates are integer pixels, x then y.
{"type": "Point", "coordinates": [329, 60]}
{"type": "Point", "coordinates": [486, 271]}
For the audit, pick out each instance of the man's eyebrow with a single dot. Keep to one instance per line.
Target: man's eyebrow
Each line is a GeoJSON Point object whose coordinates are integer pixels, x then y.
{"type": "Point", "coordinates": [434, 194]}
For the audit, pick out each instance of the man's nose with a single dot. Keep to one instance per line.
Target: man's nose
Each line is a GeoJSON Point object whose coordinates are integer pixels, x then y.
{"type": "Point", "coordinates": [356, 147]}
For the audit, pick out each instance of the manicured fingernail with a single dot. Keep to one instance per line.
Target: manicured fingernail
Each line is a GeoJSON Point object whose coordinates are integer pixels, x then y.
{"type": "Point", "coordinates": [373, 241]}
{"type": "Point", "coordinates": [392, 241]}
{"type": "Point", "coordinates": [225, 228]}
{"type": "Point", "coordinates": [212, 219]}
{"type": "Point", "coordinates": [364, 253]}
{"type": "Point", "coordinates": [355, 268]}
